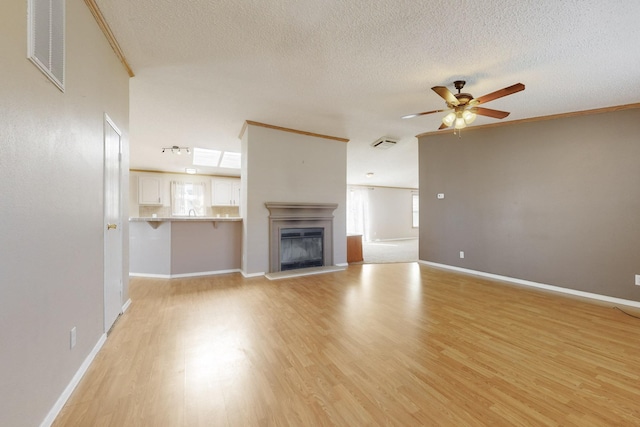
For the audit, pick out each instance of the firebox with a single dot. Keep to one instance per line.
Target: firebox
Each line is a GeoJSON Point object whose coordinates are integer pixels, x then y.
{"type": "Point", "coordinates": [301, 248]}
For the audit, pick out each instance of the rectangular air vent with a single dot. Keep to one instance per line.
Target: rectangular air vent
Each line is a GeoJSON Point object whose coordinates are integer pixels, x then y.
{"type": "Point", "coordinates": [384, 143]}
{"type": "Point", "coordinates": [46, 38]}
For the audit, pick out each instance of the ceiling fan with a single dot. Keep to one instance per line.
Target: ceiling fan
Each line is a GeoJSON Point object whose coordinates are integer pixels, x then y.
{"type": "Point", "coordinates": [463, 107]}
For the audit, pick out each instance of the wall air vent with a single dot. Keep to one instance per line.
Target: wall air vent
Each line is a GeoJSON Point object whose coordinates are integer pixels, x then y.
{"type": "Point", "coordinates": [384, 143]}
{"type": "Point", "coordinates": [46, 21]}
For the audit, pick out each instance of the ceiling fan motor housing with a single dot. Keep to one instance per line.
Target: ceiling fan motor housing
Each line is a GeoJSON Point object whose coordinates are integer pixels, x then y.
{"type": "Point", "coordinates": [463, 98]}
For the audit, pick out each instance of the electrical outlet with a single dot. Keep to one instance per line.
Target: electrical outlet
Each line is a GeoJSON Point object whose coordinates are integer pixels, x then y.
{"type": "Point", "coordinates": [638, 279]}
{"type": "Point", "coordinates": [461, 254]}
{"type": "Point", "coordinates": [440, 195]}
{"type": "Point", "coordinates": [73, 337]}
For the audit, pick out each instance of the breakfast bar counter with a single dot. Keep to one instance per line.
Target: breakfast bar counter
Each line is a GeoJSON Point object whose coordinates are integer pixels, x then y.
{"type": "Point", "coordinates": [169, 247]}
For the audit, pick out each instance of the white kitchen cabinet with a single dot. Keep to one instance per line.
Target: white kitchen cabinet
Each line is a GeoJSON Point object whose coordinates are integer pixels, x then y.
{"type": "Point", "coordinates": [149, 190]}
{"type": "Point", "coordinates": [225, 192]}
{"type": "Point", "coordinates": [235, 192]}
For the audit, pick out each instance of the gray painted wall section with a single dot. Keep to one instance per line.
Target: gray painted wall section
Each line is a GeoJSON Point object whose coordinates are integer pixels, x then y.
{"type": "Point", "coordinates": [150, 248]}
{"type": "Point", "coordinates": [281, 166]}
{"type": "Point", "coordinates": [201, 247]}
{"type": "Point", "coordinates": [555, 202]}
{"type": "Point", "coordinates": [51, 209]}
{"type": "Point", "coordinates": [184, 247]}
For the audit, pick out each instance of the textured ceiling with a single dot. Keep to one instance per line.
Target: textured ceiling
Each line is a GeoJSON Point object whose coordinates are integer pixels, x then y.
{"type": "Point", "coordinates": [352, 68]}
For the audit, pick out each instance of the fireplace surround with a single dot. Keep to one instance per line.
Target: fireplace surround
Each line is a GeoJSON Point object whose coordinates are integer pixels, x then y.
{"type": "Point", "coordinates": [285, 216]}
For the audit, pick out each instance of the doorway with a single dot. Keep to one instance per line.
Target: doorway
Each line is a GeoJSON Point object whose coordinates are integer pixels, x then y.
{"type": "Point", "coordinates": [112, 223]}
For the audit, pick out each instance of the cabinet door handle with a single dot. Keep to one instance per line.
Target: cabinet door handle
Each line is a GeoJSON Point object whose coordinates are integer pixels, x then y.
{"type": "Point", "coordinates": [112, 226]}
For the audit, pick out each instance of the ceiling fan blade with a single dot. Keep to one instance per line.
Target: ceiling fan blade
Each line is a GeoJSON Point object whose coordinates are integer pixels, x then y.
{"type": "Point", "coordinates": [446, 95]}
{"type": "Point", "coordinates": [496, 114]}
{"type": "Point", "coordinates": [499, 93]}
{"type": "Point", "coordinates": [410, 116]}
{"type": "Point", "coordinates": [443, 126]}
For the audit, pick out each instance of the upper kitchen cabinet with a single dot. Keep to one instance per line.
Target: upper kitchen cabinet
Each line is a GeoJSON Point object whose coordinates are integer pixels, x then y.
{"type": "Point", "coordinates": [150, 190]}
{"type": "Point", "coordinates": [225, 192]}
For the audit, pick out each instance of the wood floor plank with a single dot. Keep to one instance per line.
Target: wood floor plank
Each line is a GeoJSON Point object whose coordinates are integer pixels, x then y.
{"type": "Point", "coordinates": [388, 344]}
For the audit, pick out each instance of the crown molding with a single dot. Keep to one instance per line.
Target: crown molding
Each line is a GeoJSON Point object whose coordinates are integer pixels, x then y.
{"type": "Point", "coordinates": [542, 118]}
{"type": "Point", "coordinates": [102, 23]}
{"type": "Point", "coordinates": [300, 132]}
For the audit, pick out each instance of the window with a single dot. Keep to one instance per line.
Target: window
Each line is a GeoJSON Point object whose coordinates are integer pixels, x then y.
{"type": "Point", "coordinates": [186, 198]}
{"type": "Point", "coordinates": [358, 212]}
{"type": "Point", "coordinates": [416, 210]}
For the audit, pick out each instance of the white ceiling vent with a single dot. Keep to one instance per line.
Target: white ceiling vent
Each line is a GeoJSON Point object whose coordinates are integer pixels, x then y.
{"type": "Point", "coordinates": [384, 143]}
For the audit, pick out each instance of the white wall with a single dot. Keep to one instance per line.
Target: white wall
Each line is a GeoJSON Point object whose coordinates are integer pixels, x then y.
{"type": "Point", "coordinates": [390, 215]}
{"type": "Point", "coordinates": [280, 166]}
{"type": "Point", "coordinates": [51, 209]}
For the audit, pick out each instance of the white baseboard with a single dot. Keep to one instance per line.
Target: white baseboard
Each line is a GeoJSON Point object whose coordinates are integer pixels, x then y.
{"type": "Point", "coordinates": [126, 305]}
{"type": "Point", "coordinates": [391, 240]}
{"type": "Point", "coordinates": [342, 264]}
{"type": "Point", "coordinates": [57, 407]}
{"type": "Point", "coordinates": [152, 276]}
{"type": "Point", "coordinates": [536, 284]}
{"type": "Point", "coordinates": [204, 273]}
{"type": "Point", "coordinates": [247, 275]}
{"type": "Point", "coordinates": [179, 276]}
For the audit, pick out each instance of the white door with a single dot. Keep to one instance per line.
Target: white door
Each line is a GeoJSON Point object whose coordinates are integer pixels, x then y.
{"type": "Point", "coordinates": [112, 224]}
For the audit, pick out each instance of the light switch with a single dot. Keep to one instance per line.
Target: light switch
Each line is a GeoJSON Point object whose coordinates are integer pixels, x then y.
{"type": "Point", "coordinates": [440, 195]}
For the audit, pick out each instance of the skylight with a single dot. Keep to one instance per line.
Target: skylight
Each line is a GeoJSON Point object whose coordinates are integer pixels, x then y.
{"type": "Point", "coordinates": [230, 160]}
{"type": "Point", "coordinates": [216, 158]}
{"type": "Point", "coordinates": [205, 157]}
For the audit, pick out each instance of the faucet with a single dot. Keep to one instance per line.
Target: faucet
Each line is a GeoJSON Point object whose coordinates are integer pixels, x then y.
{"type": "Point", "coordinates": [192, 210]}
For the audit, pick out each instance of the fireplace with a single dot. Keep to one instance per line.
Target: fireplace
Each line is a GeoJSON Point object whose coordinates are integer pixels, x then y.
{"type": "Point", "coordinates": [301, 248]}
{"type": "Point", "coordinates": [300, 235]}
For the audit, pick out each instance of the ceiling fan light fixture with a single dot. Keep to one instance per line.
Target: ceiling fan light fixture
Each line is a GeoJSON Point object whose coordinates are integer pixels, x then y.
{"type": "Point", "coordinates": [468, 116]}
{"type": "Point", "coordinates": [464, 105]}
{"type": "Point", "coordinates": [449, 118]}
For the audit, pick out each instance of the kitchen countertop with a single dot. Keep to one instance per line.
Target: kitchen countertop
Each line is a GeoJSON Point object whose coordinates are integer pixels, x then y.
{"type": "Point", "coordinates": [185, 218]}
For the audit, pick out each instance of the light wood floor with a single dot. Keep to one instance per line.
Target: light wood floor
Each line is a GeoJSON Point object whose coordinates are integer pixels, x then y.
{"type": "Point", "coordinates": [389, 344]}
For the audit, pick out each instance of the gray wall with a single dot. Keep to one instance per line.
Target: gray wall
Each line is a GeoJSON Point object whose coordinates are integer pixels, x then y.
{"type": "Point", "coordinates": [556, 202]}
{"type": "Point", "coordinates": [51, 209]}
{"type": "Point", "coordinates": [150, 249]}
{"type": "Point", "coordinates": [184, 247]}
{"type": "Point", "coordinates": [279, 166]}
